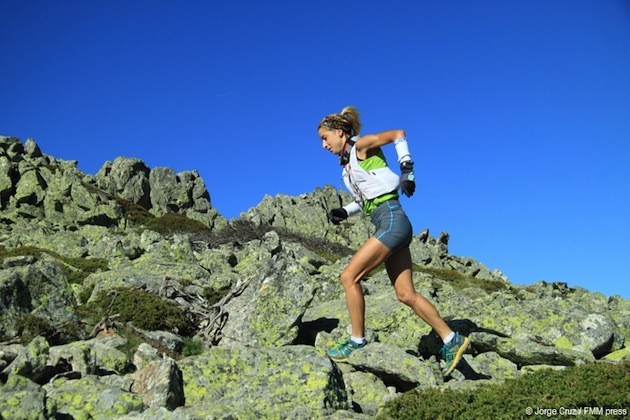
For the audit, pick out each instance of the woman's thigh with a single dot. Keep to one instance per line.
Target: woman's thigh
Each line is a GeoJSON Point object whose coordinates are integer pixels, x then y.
{"type": "Point", "coordinates": [372, 253]}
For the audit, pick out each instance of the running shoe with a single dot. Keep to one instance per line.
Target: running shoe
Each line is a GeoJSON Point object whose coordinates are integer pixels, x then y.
{"type": "Point", "coordinates": [343, 350]}
{"type": "Point", "coordinates": [453, 351]}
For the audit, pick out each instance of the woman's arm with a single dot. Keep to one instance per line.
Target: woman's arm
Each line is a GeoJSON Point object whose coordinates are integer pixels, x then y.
{"type": "Point", "coordinates": [373, 141]}
{"type": "Point", "coordinates": [367, 145]}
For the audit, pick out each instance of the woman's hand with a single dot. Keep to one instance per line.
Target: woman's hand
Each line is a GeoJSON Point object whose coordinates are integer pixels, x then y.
{"type": "Point", "coordinates": [407, 178]}
{"type": "Point", "coordinates": [337, 215]}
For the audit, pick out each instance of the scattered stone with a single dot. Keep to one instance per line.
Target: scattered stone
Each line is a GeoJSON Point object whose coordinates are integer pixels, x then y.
{"type": "Point", "coordinates": [161, 384]}
{"type": "Point", "coordinates": [263, 300]}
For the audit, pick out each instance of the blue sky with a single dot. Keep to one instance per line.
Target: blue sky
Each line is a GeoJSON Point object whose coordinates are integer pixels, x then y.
{"type": "Point", "coordinates": [517, 112]}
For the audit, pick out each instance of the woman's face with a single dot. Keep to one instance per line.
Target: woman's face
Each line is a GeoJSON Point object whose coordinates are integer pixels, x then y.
{"type": "Point", "coordinates": [332, 139]}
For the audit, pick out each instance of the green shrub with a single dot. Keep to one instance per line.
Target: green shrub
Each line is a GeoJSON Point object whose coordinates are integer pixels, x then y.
{"type": "Point", "coordinates": [144, 310]}
{"type": "Point", "coordinates": [592, 385]}
{"type": "Point", "coordinates": [174, 222]}
{"type": "Point", "coordinates": [33, 325]}
{"type": "Point", "coordinates": [192, 347]}
{"type": "Point", "coordinates": [86, 293]}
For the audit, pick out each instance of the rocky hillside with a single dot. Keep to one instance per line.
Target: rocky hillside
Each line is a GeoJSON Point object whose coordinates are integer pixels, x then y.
{"type": "Point", "coordinates": [126, 295]}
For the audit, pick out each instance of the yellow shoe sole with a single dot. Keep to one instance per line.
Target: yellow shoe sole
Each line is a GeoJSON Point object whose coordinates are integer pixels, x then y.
{"type": "Point", "coordinates": [458, 356]}
{"type": "Point", "coordinates": [338, 359]}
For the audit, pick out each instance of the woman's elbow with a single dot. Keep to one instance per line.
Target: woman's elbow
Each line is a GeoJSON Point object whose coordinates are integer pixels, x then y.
{"type": "Point", "coordinates": [399, 133]}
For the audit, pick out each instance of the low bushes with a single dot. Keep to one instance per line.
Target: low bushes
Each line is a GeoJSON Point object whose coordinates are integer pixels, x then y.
{"type": "Point", "coordinates": [548, 393]}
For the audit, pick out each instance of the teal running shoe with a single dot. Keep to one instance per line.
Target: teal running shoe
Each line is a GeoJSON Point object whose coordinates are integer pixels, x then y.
{"type": "Point", "coordinates": [453, 351]}
{"type": "Point", "coordinates": [343, 350]}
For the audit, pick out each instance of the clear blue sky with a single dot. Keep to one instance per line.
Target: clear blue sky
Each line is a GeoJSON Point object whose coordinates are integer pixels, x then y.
{"type": "Point", "coordinates": [517, 112]}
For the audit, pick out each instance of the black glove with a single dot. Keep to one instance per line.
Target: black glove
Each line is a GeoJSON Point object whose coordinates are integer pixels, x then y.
{"type": "Point", "coordinates": [407, 178]}
{"type": "Point", "coordinates": [336, 216]}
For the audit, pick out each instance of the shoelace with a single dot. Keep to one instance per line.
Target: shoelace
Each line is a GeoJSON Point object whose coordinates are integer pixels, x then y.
{"type": "Point", "coordinates": [446, 355]}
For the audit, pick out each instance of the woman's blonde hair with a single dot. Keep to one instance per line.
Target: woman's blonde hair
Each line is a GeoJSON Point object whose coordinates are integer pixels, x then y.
{"type": "Point", "coordinates": [348, 120]}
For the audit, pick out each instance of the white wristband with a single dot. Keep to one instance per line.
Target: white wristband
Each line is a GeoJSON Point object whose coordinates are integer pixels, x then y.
{"type": "Point", "coordinates": [402, 149]}
{"type": "Point", "coordinates": [352, 208]}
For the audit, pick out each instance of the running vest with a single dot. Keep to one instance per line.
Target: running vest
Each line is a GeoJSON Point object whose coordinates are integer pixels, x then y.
{"type": "Point", "coordinates": [369, 184]}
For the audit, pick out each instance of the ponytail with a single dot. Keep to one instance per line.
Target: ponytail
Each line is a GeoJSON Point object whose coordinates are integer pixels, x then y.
{"type": "Point", "coordinates": [351, 114]}
{"type": "Point", "coordinates": [347, 120]}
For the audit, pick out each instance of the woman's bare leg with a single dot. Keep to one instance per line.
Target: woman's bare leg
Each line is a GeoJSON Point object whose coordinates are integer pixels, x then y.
{"type": "Point", "coordinates": [400, 274]}
{"type": "Point", "coordinates": [368, 257]}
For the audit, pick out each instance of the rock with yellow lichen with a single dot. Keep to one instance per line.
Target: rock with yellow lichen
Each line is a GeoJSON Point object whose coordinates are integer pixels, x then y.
{"type": "Point", "coordinates": [263, 382]}
{"type": "Point", "coordinates": [232, 319]}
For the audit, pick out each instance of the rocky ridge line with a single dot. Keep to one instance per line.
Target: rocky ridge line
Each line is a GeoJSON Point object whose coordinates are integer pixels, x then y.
{"type": "Point", "coordinates": [259, 295]}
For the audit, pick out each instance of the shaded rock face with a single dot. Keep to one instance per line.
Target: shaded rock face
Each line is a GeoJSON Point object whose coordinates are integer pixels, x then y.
{"type": "Point", "coordinates": [159, 190]}
{"type": "Point", "coordinates": [34, 185]}
{"type": "Point", "coordinates": [258, 298]}
{"type": "Point", "coordinates": [127, 178]}
{"type": "Point", "coordinates": [35, 288]}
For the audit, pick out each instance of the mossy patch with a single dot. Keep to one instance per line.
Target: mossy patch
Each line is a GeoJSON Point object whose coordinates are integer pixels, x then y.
{"type": "Point", "coordinates": [86, 293]}
{"type": "Point", "coordinates": [81, 267]}
{"type": "Point", "coordinates": [167, 224]}
{"type": "Point", "coordinates": [460, 281]}
{"type": "Point", "coordinates": [564, 343]}
{"type": "Point", "coordinates": [144, 310]}
{"type": "Point", "coordinates": [31, 325]}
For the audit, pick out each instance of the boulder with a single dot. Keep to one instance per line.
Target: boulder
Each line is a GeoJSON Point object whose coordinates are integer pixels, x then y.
{"type": "Point", "coordinates": [38, 289]}
{"type": "Point", "coordinates": [307, 215]}
{"type": "Point", "coordinates": [168, 193]}
{"type": "Point", "coordinates": [21, 398]}
{"type": "Point", "coordinates": [526, 350]}
{"type": "Point", "coordinates": [366, 391]}
{"type": "Point", "coordinates": [395, 367]}
{"type": "Point", "coordinates": [127, 178]}
{"type": "Point", "coordinates": [31, 363]}
{"type": "Point", "coordinates": [250, 382]}
{"type": "Point", "coordinates": [95, 356]}
{"type": "Point", "coordinates": [8, 179]}
{"type": "Point", "coordinates": [276, 294]}
{"type": "Point", "coordinates": [89, 397]}
{"type": "Point", "coordinates": [144, 355]}
{"type": "Point", "coordinates": [160, 383]}
{"type": "Point", "coordinates": [30, 188]}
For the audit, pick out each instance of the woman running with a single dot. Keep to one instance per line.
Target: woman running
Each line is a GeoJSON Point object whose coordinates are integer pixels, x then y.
{"type": "Point", "coordinates": [375, 190]}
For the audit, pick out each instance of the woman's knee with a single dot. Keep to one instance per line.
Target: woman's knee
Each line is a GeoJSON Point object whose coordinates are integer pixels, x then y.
{"type": "Point", "coordinates": [406, 296]}
{"type": "Point", "coordinates": [348, 279]}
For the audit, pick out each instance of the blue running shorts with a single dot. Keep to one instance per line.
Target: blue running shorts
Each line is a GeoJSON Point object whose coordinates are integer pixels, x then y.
{"type": "Point", "coordinates": [393, 227]}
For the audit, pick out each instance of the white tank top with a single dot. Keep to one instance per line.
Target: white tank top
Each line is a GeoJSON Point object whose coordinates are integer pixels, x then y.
{"type": "Point", "coordinates": [367, 184]}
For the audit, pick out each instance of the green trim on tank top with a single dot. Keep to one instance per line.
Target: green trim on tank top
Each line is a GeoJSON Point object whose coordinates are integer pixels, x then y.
{"type": "Point", "coordinates": [376, 161]}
